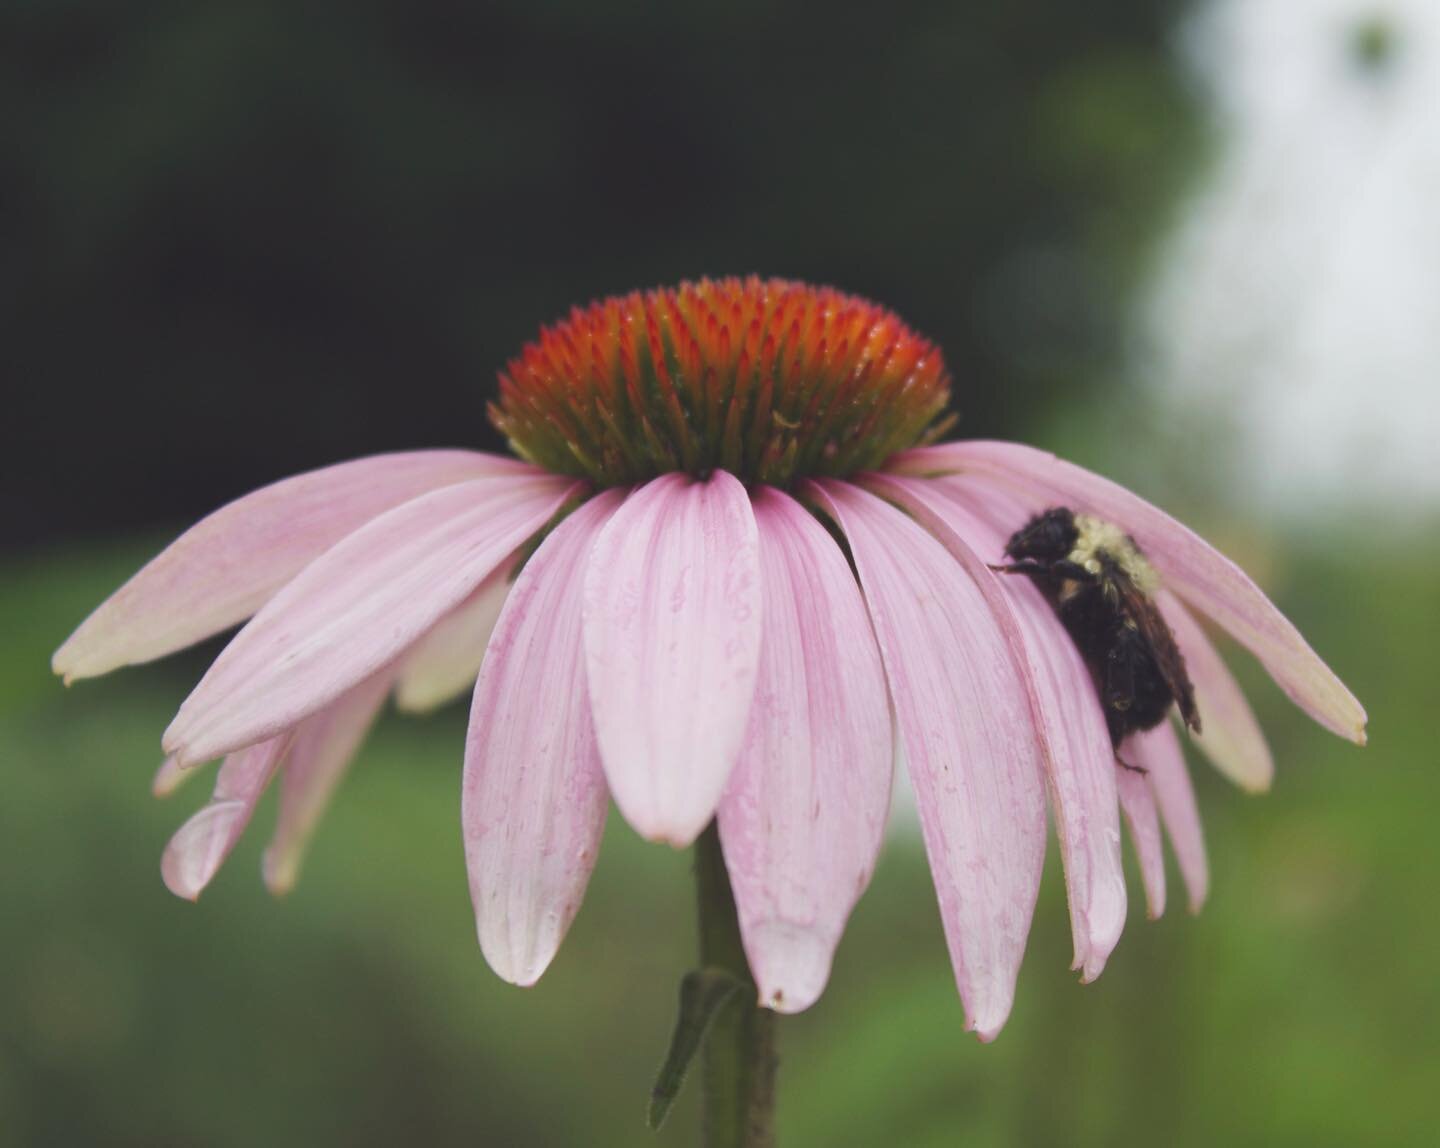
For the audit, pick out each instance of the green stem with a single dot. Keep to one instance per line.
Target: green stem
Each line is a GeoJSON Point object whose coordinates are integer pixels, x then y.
{"type": "Point", "coordinates": [739, 1077]}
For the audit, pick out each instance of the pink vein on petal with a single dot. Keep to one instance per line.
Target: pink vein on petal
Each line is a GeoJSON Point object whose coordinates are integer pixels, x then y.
{"type": "Point", "coordinates": [1138, 804]}
{"type": "Point", "coordinates": [534, 797]}
{"type": "Point", "coordinates": [356, 608]}
{"type": "Point", "coordinates": [321, 749]}
{"type": "Point", "coordinates": [672, 645]}
{"type": "Point", "coordinates": [803, 818]}
{"type": "Point", "coordinates": [228, 565]}
{"type": "Point", "coordinates": [971, 746]}
{"type": "Point", "coordinates": [1080, 762]}
{"type": "Point", "coordinates": [1158, 752]}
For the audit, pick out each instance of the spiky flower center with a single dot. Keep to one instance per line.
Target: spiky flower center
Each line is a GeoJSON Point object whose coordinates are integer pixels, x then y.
{"type": "Point", "coordinates": [768, 379]}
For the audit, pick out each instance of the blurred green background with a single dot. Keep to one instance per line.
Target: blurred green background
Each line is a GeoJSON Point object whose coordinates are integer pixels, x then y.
{"type": "Point", "coordinates": [248, 239]}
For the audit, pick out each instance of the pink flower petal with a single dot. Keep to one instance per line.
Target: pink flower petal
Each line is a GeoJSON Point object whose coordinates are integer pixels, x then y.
{"type": "Point", "coordinates": [201, 845]}
{"type": "Point", "coordinates": [971, 743]}
{"type": "Point", "coordinates": [1138, 803]}
{"type": "Point", "coordinates": [1230, 736]}
{"type": "Point", "coordinates": [357, 607]}
{"type": "Point", "coordinates": [1195, 570]}
{"type": "Point", "coordinates": [534, 799]}
{"type": "Point", "coordinates": [803, 817]}
{"type": "Point", "coordinates": [446, 661]}
{"type": "Point", "coordinates": [1158, 752]}
{"type": "Point", "coordinates": [321, 749]}
{"type": "Point", "coordinates": [1080, 764]}
{"type": "Point", "coordinates": [672, 644]}
{"type": "Point", "coordinates": [228, 565]}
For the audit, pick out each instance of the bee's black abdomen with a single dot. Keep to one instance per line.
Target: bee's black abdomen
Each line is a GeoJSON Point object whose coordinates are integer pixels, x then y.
{"type": "Point", "coordinates": [1088, 617]}
{"type": "Point", "coordinates": [1134, 693]}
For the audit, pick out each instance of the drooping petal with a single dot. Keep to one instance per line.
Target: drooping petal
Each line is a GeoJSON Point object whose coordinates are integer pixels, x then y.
{"type": "Point", "coordinates": [804, 814]}
{"type": "Point", "coordinates": [201, 845]}
{"type": "Point", "coordinates": [1158, 752]}
{"type": "Point", "coordinates": [1080, 764]}
{"type": "Point", "coordinates": [534, 799]}
{"type": "Point", "coordinates": [1190, 566]}
{"type": "Point", "coordinates": [357, 607]}
{"type": "Point", "coordinates": [1229, 734]}
{"type": "Point", "coordinates": [321, 749]}
{"type": "Point", "coordinates": [970, 738]}
{"type": "Point", "coordinates": [228, 565]}
{"type": "Point", "coordinates": [446, 661]}
{"type": "Point", "coordinates": [672, 644]}
{"type": "Point", "coordinates": [1138, 803]}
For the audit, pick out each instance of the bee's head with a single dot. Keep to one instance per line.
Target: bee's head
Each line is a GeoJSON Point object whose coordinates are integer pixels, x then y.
{"type": "Point", "coordinates": [1047, 537]}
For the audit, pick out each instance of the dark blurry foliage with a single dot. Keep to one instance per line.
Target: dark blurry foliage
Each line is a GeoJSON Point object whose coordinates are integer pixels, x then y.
{"type": "Point", "coordinates": [244, 239]}
{"type": "Point", "coordinates": [238, 240]}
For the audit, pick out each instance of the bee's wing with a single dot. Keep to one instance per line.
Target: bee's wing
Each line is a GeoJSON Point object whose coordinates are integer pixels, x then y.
{"type": "Point", "coordinates": [1151, 623]}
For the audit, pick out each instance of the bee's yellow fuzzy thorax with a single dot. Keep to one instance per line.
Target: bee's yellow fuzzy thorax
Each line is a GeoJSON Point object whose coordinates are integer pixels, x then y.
{"type": "Point", "coordinates": [1097, 536]}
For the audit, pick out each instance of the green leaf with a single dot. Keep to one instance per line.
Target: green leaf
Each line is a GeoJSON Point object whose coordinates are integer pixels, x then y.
{"type": "Point", "coordinates": [703, 993]}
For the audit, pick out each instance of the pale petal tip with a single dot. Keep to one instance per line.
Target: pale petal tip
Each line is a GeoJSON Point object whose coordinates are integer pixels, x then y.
{"type": "Point", "coordinates": [1097, 930]}
{"type": "Point", "coordinates": [987, 1033]}
{"type": "Point", "coordinates": [185, 757]}
{"type": "Point", "coordinates": [521, 969]}
{"type": "Point", "coordinates": [1096, 958]}
{"type": "Point", "coordinates": [1090, 962]}
{"type": "Point", "coordinates": [1092, 970]}
{"type": "Point", "coordinates": [989, 1018]}
{"type": "Point", "coordinates": [791, 964]}
{"type": "Point", "coordinates": [1335, 708]}
{"type": "Point", "coordinates": [176, 886]}
{"type": "Point", "coordinates": [77, 659]}
{"type": "Point", "coordinates": [1106, 925]}
{"type": "Point", "coordinates": [279, 873]}
{"type": "Point", "coordinates": [62, 664]}
{"type": "Point", "coordinates": [1345, 717]}
{"type": "Point", "coordinates": [168, 778]}
{"type": "Point", "coordinates": [413, 700]}
{"type": "Point", "coordinates": [1106, 920]}
{"type": "Point", "coordinates": [175, 744]}
{"type": "Point", "coordinates": [195, 853]}
{"type": "Point", "coordinates": [659, 828]}
{"type": "Point", "coordinates": [180, 878]}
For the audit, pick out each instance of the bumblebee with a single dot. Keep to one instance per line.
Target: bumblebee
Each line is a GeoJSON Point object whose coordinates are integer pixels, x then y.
{"type": "Point", "coordinates": [1102, 588]}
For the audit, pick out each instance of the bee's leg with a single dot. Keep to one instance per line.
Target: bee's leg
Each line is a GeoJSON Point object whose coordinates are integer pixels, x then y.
{"type": "Point", "coordinates": [1072, 570]}
{"type": "Point", "coordinates": [1123, 764]}
{"type": "Point", "coordinates": [1033, 569]}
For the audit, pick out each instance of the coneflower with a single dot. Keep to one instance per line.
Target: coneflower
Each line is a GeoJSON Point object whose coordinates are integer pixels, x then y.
{"type": "Point", "coordinates": [731, 578]}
